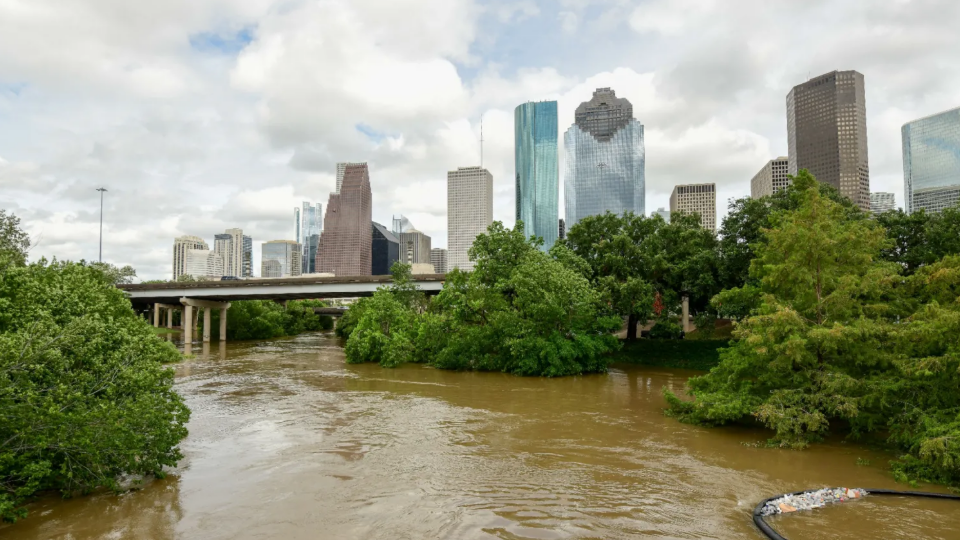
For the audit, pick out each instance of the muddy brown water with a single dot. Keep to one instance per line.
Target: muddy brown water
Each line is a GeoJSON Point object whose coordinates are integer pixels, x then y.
{"type": "Point", "coordinates": [289, 442]}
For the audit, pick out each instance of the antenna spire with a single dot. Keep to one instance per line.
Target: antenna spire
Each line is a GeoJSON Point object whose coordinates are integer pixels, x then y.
{"type": "Point", "coordinates": [481, 141]}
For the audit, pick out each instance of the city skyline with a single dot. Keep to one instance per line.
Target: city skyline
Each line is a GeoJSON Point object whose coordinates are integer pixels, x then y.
{"type": "Point", "coordinates": [207, 128]}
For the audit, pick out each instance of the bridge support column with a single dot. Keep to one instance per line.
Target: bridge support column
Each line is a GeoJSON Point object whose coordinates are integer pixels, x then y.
{"type": "Point", "coordinates": [169, 316]}
{"type": "Point", "coordinates": [223, 324]}
{"type": "Point", "coordinates": [207, 321]}
{"type": "Point", "coordinates": [187, 323]}
{"type": "Point", "coordinates": [156, 315]}
{"type": "Point", "coordinates": [685, 313]}
{"type": "Point", "coordinates": [208, 306]}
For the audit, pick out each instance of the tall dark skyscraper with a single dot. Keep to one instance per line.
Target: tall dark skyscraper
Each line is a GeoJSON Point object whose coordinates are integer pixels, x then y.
{"type": "Point", "coordinates": [604, 165]}
{"type": "Point", "coordinates": [346, 240]}
{"type": "Point", "coordinates": [827, 133]}
{"type": "Point", "coordinates": [537, 169]}
{"type": "Point", "coordinates": [385, 250]}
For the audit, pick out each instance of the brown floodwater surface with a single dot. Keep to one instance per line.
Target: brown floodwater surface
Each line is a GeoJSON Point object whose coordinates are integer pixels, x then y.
{"type": "Point", "coordinates": [289, 442]}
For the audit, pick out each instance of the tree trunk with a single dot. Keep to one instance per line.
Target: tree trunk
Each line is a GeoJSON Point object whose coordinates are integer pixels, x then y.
{"type": "Point", "coordinates": [632, 328]}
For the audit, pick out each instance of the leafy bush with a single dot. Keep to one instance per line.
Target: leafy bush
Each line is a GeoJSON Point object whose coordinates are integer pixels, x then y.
{"type": "Point", "coordinates": [666, 329]}
{"type": "Point", "coordinates": [84, 394]}
{"type": "Point", "coordinates": [265, 319]}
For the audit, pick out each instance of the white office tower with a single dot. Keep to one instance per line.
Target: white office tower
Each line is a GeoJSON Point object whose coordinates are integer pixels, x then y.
{"type": "Point", "coordinates": [342, 168]}
{"type": "Point", "coordinates": [203, 263]}
{"type": "Point", "coordinates": [180, 246]}
{"type": "Point", "coordinates": [469, 212]}
{"type": "Point", "coordinates": [280, 258]}
{"type": "Point", "coordinates": [230, 246]}
{"type": "Point", "coordinates": [881, 202]}
{"type": "Point", "coordinates": [438, 257]}
{"type": "Point", "coordinates": [773, 177]}
{"type": "Point", "coordinates": [696, 199]}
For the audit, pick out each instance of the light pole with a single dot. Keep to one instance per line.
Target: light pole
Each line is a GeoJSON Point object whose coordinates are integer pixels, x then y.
{"type": "Point", "coordinates": [101, 190]}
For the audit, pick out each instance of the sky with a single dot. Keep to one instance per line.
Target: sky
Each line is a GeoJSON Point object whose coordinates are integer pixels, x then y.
{"type": "Point", "coordinates": [202, 115]}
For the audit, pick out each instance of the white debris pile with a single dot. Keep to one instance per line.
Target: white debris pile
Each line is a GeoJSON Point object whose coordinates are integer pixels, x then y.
{"type": "Point", "coordinates": [810, 500]}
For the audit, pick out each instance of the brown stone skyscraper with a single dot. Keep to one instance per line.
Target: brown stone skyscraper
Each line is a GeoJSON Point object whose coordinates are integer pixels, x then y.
{"type": "Point", "coordinates": [346, 240]}
{"type": "Point", "coordinates": [827, 133]}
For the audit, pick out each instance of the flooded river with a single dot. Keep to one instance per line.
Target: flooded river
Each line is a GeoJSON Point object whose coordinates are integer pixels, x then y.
{"type": "Point", "coordinates": [288, 442]}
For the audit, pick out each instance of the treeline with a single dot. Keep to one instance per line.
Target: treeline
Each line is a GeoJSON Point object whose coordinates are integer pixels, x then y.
{"type": "Point", "coordinates": [264, 319]}
{"type": "Point", "coordinates": [84, 394]}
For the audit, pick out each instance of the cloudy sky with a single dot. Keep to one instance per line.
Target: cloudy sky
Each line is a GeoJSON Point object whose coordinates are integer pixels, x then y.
{"type": "Point", "coordinates": [199, 115]}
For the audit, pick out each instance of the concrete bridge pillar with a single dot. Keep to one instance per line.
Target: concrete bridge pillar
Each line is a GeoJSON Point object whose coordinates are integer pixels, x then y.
{"type": "Point", "coordinates": [208, 306]}
{"type": "Point", "coordinates": [187, 323]}
{"type": "Point", "coordinates": [169, 317]}
{"type": "Point", "coordinates": [156, 315]}
{"type": "Point", "coordinates": [685, 309]}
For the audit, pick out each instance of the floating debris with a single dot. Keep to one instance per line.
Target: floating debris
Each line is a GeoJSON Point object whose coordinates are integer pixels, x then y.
{"type": "Point", "coordinates": [809, 500]}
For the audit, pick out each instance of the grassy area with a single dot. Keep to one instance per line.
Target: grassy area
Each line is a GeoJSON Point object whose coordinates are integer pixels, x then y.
{"type": "Point", "coordinates": [701, 354]}
{"type": "Point", "coordinates": [161, 331]}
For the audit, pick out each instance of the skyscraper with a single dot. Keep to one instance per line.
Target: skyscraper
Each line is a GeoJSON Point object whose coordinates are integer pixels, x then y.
{"type": "Point", "coordinates": [773, 177]}
{"type": "Point", "coordinates": [469, 212]}
{"type": "Point", "coordinates": [247, 257]}
{"type": "Point", "coordinates": [438, 257]}
{"type": "Point", "coordinates": [230, 246]}
{"type": "Point", "coordinates": [203, 263]}
{"type": "Point", "coordinates": [696, 198]}
{"type": "Point", "coordinates": [346, 240]}
{"type": "Point", "coordinates": [385, 250]}
{"type": "Point", "coordinates": [931, 162]}
{"type": "Point", "coordinates": [296, 224]}
{"type": "Point", "coordinates": [562, 233]}
{"type": "Point", "coordinates": [827, 133]}
{"type": "Point", "coordinates": [604, 159]}
{"type": "Point", "coordinates": [881, 202]}
{"type": "Point", "coordinates": [537, 171]}
{"type": "Point", "coordinates": [280, 258]}
{"type": "Point", "coordinates": [341, 170]}
{"type": "Point", "coordinates": [310, 227]}
{"type": "Point", "coordinates": [414, 245]}
{"type": "Point", "coordinates": [180, 246]}
{"type": "Point", "coordinates": [662, 212]}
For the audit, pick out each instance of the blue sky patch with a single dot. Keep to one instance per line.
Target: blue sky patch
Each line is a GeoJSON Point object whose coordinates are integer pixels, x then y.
{"type": "Point", "coordinates": [222, 43]}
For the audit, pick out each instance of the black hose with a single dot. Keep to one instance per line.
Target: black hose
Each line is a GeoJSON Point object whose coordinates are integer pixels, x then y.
{"type": "Point", "coordinates": [774, 535]}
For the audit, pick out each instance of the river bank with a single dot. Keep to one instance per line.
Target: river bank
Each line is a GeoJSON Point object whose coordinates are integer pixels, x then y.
{"type": "Point", "coordinates": [287, 441]}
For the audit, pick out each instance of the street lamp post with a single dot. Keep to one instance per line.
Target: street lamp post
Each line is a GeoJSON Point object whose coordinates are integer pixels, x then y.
{"type": "Point", "coordinates": [101, 190]}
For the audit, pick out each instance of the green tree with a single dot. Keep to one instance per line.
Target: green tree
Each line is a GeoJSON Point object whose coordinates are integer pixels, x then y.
{"type": "Point", "coordinates": [115, 274]}
{"type": "Point", "coordinates": [14, 242]}
{"type": "Point", "coordinates": [83, 392]}
{"type": "Point", "coordinates": [820, 329]}
{"type": "Point", "coordinates": [943, 233]}
{"type": "Point", "coordinates": [387, 328]}
{"type": "Point", "coordinates": [741, 231]}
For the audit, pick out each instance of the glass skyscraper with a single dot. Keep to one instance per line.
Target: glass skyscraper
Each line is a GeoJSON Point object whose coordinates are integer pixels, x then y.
{"type": "Point", "coordinates": [604, 159]}
{"type": "Point", "coordinates": [931, 162]}
{"type": "Point", "coordinates": [309, 230]}
{"type": "Point", "coordinates": [537, 169]}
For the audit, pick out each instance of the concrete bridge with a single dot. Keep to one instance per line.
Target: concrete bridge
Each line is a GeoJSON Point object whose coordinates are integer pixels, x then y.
{"type": "Point", "coordinates": [192, 297]}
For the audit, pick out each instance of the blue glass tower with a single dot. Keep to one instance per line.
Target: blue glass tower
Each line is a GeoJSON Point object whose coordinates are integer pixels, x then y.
{"type": "Point", "coordinates": [604, 159]}
{"type": "Point", "coordinates": [537, 169]}
{"type": "Point", "coordinates": [931, 162]}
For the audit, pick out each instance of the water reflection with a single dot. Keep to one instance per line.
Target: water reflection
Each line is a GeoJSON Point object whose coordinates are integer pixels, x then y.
{"type": "Point", "coordinates": [287, 441]}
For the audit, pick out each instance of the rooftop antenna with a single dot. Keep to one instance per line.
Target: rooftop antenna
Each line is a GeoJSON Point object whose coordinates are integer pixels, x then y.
{"type": "Point", "coordinates": [481, 141]}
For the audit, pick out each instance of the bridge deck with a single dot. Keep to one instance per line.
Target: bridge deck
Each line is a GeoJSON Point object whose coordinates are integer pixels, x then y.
{"type": "Point", "coordinates": [271, 288]}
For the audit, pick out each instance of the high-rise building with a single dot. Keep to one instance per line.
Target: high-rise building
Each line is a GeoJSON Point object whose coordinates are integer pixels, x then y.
{"type": "Point", "coordinates": [438, 257]}
{"type": "Point", "coordinates": [297, 235]}
{"type": "Point", "coordinates": [346, 240]}
{"type": "Point", "coordinates": [385, 250]}
{"type": "Point", "coordinates": [247, 257]}
{"type": "Point", "coordinates": [827, 133]}
{"type": "Point", "coordinates": [203, 263]}
{"type": "Point", "coordinates": [773, 177]}
{"type": "Point", "coordinates": [604, 159]}
{"type": "Point", "coordinates": [931, 162]}
{"type": "Point", "coordinates": [230, 245]}
{"type": "Point", "coordinates": [562, 230]}
{"type": "Point", "coordinates": [280, 258]}
{"type": "Point", "coordinates": [696, 198]}
{"type": "Point", "coordinates": [180, 246]}
{"type": "Point", "coordinates": [662, 212]}
{"type": "Point", "coordinates": [537, 169]}
{"type": "Point", "coordinates": [341, 170]}
{"type": "Point", "coordinates": [881, 202]}
{"type": "Point", "coordinates": [469, 212]}
{"type": "Point", "coordinates": [310, 226]}
{"type": "Point", "coordinates": [414, 245]}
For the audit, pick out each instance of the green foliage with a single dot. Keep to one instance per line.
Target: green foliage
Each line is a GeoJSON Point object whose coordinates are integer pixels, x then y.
{"type": "Point", "coordinates": [115, 274]}
{"type": "Point", "coordinates": [920, 239]}
{"type": "Point", "coordinates": [83, 392]}
{"type": "Point", "coordinates": [265, 319]}
{"type": "Point", "coordinates": [666, 329]}
{"type": "Point", "coordinates": [702, 355]}
{"type": "Point", "coordinates": [14, 242]}
{"type": "Point", "coordinates": [520, 311]}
